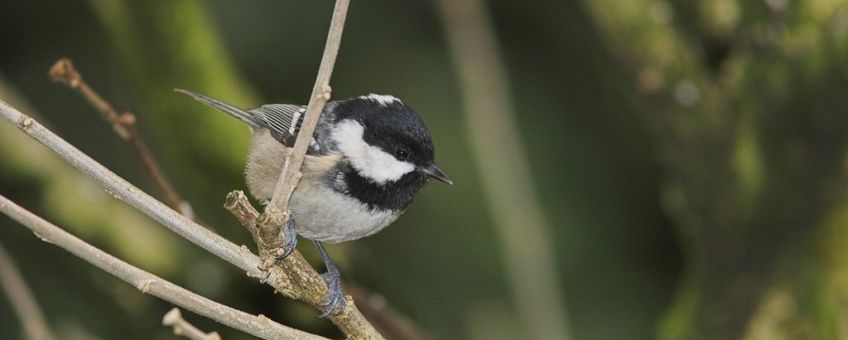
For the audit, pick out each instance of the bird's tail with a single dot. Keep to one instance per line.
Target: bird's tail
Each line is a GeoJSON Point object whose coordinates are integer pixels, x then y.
{"type": "Point", "coordinates": [241, 114]}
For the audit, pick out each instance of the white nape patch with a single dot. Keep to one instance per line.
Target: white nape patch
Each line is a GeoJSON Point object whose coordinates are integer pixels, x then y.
{"type": "Point", "coordinates": [381, 98]}
{"type": "Point", "coordinates": [370, 161]}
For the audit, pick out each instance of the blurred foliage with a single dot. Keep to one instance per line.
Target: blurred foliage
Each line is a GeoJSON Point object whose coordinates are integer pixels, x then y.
{"type": "Point", "coordinates": [748, 100]}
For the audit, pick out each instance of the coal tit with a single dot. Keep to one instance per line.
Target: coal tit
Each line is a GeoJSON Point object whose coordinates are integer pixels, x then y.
{"type": "Point", "coordinates": [369, 157]}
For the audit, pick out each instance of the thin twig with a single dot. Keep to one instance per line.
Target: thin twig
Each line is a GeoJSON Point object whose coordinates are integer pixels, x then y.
{"type": "Point", "coordinates": [275, 216]}
{"type": "Point", "coordinates": [496, 141]}
{"type": "Point", "coordinates": [182, 327]}
{"type": "Point", "coordinates": [320, 95]}
{"type": "Point", "coordinates": [270, 222]}
{"type": "Point", "coordinates": [147, 283]}
{"type": "Point", "coordinates": [22, 300]}
{"type": "Point", "coordinates": [267, 227]}
{"type": "Point", "coordinates": [298, 280]}
{"type": "Point", "coordinates": [63, 71]}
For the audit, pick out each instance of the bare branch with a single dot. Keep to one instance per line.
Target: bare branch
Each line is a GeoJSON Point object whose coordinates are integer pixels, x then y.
{"type": "Point", "coordinates": [297, 281]}
{"type": "Point", "coordinates": [182, 327]}
{"type": "Point", "coordinates": [63, 71]}
{"type": "Point", "coordinates": [270, 222]}
{"type": "Point", "coordinates": [275, 214]}
{"type": "Point", "coordinates": [147, 283]}
{"type": "Point", "coordinates": [305, 283]}
{"type": "Point", "coordinates": [497, 143]}
{"type": "Point", "coordinates": [23, 302]}
{"type": "Point", "coordinates": [245, 213]}
{"type": "Point", "coordinates": [320, 95]}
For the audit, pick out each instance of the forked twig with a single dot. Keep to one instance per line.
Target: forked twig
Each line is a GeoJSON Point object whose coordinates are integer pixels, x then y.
{"type": "Point", "coordinates": [304, 283]}
{"type": "Point", "coordinates": [174, 319]}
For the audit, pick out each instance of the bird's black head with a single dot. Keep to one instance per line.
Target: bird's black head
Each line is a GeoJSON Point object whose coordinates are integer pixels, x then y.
{"type": "Point", "coordinates": [392, 126]}
{"type": "Point", "coordinates": [386, 142]}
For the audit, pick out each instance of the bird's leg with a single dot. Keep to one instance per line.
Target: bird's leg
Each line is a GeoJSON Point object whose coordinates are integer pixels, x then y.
{"type": "Point", "coordinates": [335, 300]}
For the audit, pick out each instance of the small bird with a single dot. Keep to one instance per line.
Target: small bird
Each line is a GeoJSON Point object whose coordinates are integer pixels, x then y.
{"type": "Point", "coordinates": [368, 158]}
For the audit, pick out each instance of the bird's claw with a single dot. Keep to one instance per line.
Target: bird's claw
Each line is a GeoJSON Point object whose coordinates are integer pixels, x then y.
{"type": "Point", "coordinates": [291, 239]}
{"type": "Point", "coordinates": [335, 301]}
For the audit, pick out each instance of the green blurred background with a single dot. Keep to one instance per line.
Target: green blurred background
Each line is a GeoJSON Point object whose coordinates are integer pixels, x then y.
{"type": "Point", "coordinates": [690, 157]}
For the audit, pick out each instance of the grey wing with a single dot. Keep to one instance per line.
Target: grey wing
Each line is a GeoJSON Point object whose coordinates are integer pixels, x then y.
{"type": "Point", "coordinates": [283, 120]}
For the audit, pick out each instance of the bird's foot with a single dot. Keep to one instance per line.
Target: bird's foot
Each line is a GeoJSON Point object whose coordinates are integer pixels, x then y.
{"type": "Point", "coordinates": [335, 301]}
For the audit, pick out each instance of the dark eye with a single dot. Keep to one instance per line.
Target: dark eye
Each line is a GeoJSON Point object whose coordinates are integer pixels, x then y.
{"type": "Point", "coordinates": [401, 154]}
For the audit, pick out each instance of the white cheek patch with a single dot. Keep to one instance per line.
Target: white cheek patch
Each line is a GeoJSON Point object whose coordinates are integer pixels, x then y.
{"type": "Point", "coordinates": [381, 98]}
{"type": "Point", "coordinates": [370, 161]}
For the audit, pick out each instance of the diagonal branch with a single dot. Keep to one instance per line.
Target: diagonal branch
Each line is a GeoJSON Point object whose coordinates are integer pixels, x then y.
{"type": "Point", "coordinates": [306, 285]}
{"type": "Point", "coordinates": [320, 94]}
{"type": "Point", "coordinates": [259, 326]}
{"type": "Point", "coordinates": [269, 224]}
{"type": "Point", "coordinates": [63, 71]}
{"type": "Point", "coordinates": [275, 214]}
{"type": "Point", "coordinates": [267, 228]}
{"type": "Point", "coordinates": [297, 281]}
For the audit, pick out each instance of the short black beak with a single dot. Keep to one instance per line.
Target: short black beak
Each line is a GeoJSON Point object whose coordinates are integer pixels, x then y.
{"type": "Point", "coordinates": [433, 170]}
